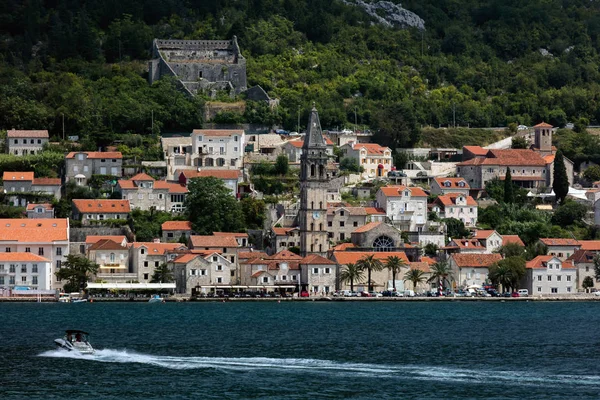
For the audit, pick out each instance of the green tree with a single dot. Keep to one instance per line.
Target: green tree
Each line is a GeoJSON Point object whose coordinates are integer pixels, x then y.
{"type": "Point", "coordinates": [588, 282]}
{"type": "Point", "coordinates": [455, 228]}
{"type": "Point", "coordinates": [431, 249]}
{"type": "Point", "coordinates": [508, 272]}
{"type": "Point", "coordinates": [351, 165]}
{"type": "Point", "coordinates": [441, 273]}
{"type": "Point", "coordinates": [370, 263]}
{"type": "Point", "coordinates": [569, 213]}
{"type": "Point", "coordinates": [597, 266]}
{"type": "Point", "coordinates": [76, 270]}
{"type": "Point", "coordinates": [415, 276]}
{"type": "Point", "coordinates": [511, 250]}
{"type": "Point", "coordinates": [561, 182]}
{"type": "Point", "coordinates": [592, 173]}
{"type": "Point", "coordinates": [352, 273]}
{"type": "Point", "coordinates": [254, 212]}
{"type": "Point", "coordinates": [519, 142]}
{"type": "Point", "coordinates": [395, 265]}
{"type": "Point", "coordinates": [162, 274]}
{"type": "Point", "coordinates": [508, 188]}
{"type": "Point", "coordinates": [281, 165]}
{"type": "Point", "coordinates": [211, 207]}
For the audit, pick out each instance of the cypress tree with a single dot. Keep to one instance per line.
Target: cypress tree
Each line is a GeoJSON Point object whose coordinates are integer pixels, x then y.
{"type": "Point", "coordinates": [560, 182]}
{"type": "Point", "coordinates": [509, 196]}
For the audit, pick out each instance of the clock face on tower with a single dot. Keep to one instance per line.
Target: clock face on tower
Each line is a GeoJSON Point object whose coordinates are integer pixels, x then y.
{"type": "Point", "coordinates": [316, 215]}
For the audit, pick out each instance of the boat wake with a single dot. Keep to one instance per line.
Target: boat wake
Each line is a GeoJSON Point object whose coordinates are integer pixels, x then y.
{"type": "Point", "coordinates": [325, 367]}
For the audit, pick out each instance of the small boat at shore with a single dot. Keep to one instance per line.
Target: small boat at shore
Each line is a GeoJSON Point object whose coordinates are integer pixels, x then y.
{"type": "Point", "coordinates": [156, 299]}
{"type": "Point", "coordinates": [75, 341]}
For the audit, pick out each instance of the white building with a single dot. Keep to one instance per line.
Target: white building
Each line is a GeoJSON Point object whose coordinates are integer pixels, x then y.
{"type": "Point", "coordinates": [21, 142]}
{"type": "Point", "coordinates": [548, 275]}
{"type": "Point", "coordinates": [218, 148]}
{"type": "Point", "coordinates": [376, 160]}
{"type": "Point", "coordinates": [405, 207]}
{"type": "Point", "coordinates": [25, 269]}
{"type": "Point", "coordinates": [458, 206]}
{"type": "Point", "coordinates": [144, 192]}
{"type": "Point", "coordinates": [80, 166]}
{"type": "Point", "coordinates": [561, 248]}
{"type": "Point", "coordinates": [88, 210]}
{"type": "Point", "coordinates": [450, 185]}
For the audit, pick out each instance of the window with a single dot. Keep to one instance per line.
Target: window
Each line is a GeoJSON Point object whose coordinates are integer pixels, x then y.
{"type": "Point", "coordinates": [27, 249]}
{"type": "Point", "coordinates": [1, 280]}
{"type": "Point", "coordinates": [23, 268]}
{"type": "Point", "coordinates": [85, 168]}
{"type": "Point", "coordinates": [539, 277]}
{"type": "Point", "coordinates": [587, 269]}
{"type": "Point", "coordinates": [549, 278]}
{"type": "Point", "coordinates": [568, 289]}
{"type": "Point", "coordinates": [145, 276]}
{"type": "Point", "coordinates": [568, 278]}
{"type": "Point", "coordinates": [539, 288]}
{"type": "Point", "coordinates": [142, 251]}
{"type": "Point", "coordinates": [327, 270]}
{"type": "Point", "coordinates": [193, 272]}
{"type": "Point", "coordinates": [11, 280]}
{"type": "Point", "coordinates": [559, 278]}
{"type": "Point", "coordinates": [58, 264]}
{"type": "Point", "coordinates": [23, 279]}
{"type": "Point", "coordinates": [34, 269]}
{"type": "Point", "coordinates": [265, 279]}
{"type": "Point", "coordinates": [8, 249]}
{"type": "Point", "coordinates": [219, 280]}
{"type": "Point", "coordinates": [315, 270]}
{"type": "Point", "coordinates": [329, 223]}
{"type": "Point", "coordinates": [342, 236]}
{"type": "Point", "coordinates": [219, 268]}
{"type": "Point", "coordinates": [156, 263]}
{"type": "Point", "coordinates": [342, 224]}
{"type": "Point", "coordinates": [145, 263]}
{"type": "Point", "coordinates": [11, 269]}
{"type": "Point", "coordinates": [232, 273]}
{"type": "Point", "coordinates": [203, 272]}
{"type": "Point", "coordinates": [140, 196]}
{"type": "Point", "coordinates": [59, 251]}
{"type": "Point", "coordinates": [554, 290]}
{"type": "Point", "coordinates": [355, 224]}
{"type": "Point", "coordinates": [1, 267]}
{"type": "Point", "coordinates": [41, 251]}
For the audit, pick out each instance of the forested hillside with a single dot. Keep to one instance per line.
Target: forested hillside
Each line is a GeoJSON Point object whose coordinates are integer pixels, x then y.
{"type": "Point", "coordinates": [488, 62]}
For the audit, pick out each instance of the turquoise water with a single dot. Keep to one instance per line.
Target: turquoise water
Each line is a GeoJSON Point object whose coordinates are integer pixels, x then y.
{"type": "Point", "coordinates": [358, 350]}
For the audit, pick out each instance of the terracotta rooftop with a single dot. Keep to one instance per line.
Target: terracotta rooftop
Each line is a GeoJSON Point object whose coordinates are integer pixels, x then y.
{"type": "Point", "coordinates": [508, 158]}
{"type": "Point", "coordinates": [374, 211]}
{"type": "Point", "coordinates": [422, 266]}
{"type": "Point", "coordinates": [107, 244]}
{"type": "Point", "coordinates": [593, 245]}
{"type": "Point", "coordinates": [543, 125]}
{"type": "Point", "coordinates": [428, 260]}
{"type": "Point", "coordinates": [451, 199]}
{"type": "Point", "coordinates": [283, 231]}
{"type": "Point", "coordinates": [560, 242]}
{"type": "Point", "coordinates": [248, 255]}
{"type": "Point", "coordinates": [171, 187]}
{"type": "Point", "coordinates": [506, 239]}
{"type": "Point", "coordinates": [213, 241]}
{"type": "Point", "coordinates": [314, 259]}
{"type": "Point", "coordinates": [47, 181]}
{"type": "Point", "coordinates": [106, 206]}
{"type": "Point", "coordinates": [17, 176]}
{"type": "Point", "coordinates": [483, 234]}
{"type": "Point", "coordinates": [158, 248]}
{"type": "Point", "coordinates": [367, 227]}
{"type": "Point", "coordinates": [360, 211]}
{"type": "Point", "coordinates": [91, 239]}
{"type": "Point", "coordinates": [343, 246]}
{"type": "Point", "coordinates": [234, 234]}
{"type": "Point", "coordinates": [475, 260]}
{"type": "Point", "coordinates": [34, 230]}
{"type": "Point", "coordinates": [541, 262]}
{"type": "Point", "coordinates": [27, 134]}
{"type": "Point", "coordinates": [477, 150]}
{"type": "Point", "coordinates": [582, 256]}
{"type": "Point", "coordinates": [298, 143]}
{"type": "Point", "coordinates": [397, 191]}
{"type": "Point", "coordinates": [97, 154]}
{"type": "Point", "coordinates": [46, 206]}
{"type": "Point", "coordinates": [142, 177]}
{"type": "Point", "coordinates": [176, 226]}
{"type": "Point", "coordinates": [230, 174]}
{"type": "Point", "coordinates": [20, 256]}
{"type": "Point", "coordinates": [466, 244]}
{"type": "Point", "coordinates": [371, 148]}
{"type": "Point", "coordinates": [348, 257]}
{"type": "Point", "coordinates": [452, 183]}
{"type": "Point", "coordinates": [185, 258]}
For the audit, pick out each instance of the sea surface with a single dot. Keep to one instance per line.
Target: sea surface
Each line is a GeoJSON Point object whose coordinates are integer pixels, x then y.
{"type": "Point", "coordinates": [304, 350]}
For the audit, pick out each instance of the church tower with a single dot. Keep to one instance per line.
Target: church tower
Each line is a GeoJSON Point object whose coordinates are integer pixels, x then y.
{"type": "Point", "coordinates": [313, 190]}
{"type": "Point", "coordinates": [543, 138]}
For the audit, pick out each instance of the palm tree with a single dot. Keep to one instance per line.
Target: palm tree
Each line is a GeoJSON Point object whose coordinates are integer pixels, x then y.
{"type": "Point", "coordinates": [441, 273]}
{"type": "Point", "coordinates": [394, 264]}
{"type": "Point", "coordinates": [352, 273]}
{"type": "Point", "coordinates": [500, 274]}
{"type": "Point", "coordinates": [415, 276]}
{"type": "Point", "coordinates": [370, 263]}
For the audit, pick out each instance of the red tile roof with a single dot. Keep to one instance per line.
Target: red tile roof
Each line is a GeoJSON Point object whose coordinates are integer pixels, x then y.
{"type": "Point", "coordinates": [451, 198]}
{"type": "Point", "coordinates": [343, 246]}
{"type": "Point", "coordinates": [34, 230]}
{"type": "Point", "coordinates": [593, 245]}
{"type": "Point", "coordinates": [582, 256]}
{"type": "Point", "coordinates": [142, 177]}
{"type": "Point", "coordinates": [218, 132]}
{"type": "Point", "coordinates": [171, 187]}
{"type": "Point", "coordinates": [176, 226]}
{"type": "Point", "coordinates": [428, 260]}
{"type": "Point", "coordinates": [107, 244]}
{"type": "Point", "coordinates": [17, 176]}
{"type": "Point", "coordinates": [97, 154]}
{"type": "Point", "coordinates": [466, 244]}
{"type": "Point", "coordinates": [234, 234]}
{"type": "Point", "coordinates": [560, 242]}
{"type": "Point", "coordinates": [396, 191]}
{"type": "Point", "coordinates": [367, 227]}
{"type": "Point", "coordinates": [105, 206]}
{"type": "Point", "coordinates": [47, 181]}
{"type": "Point", "coordinates": [453, 183]}
{"type": "Point", "coordinates": [158, 248]}
{"type": "Point", "coordinates": [374, 211]}
{"type": "Point", "coordinates": [185, 258]}
{"type": "Point", "coordinates": [249, 255]}
{"type": "Point", "coordinates": [91, 239]}
{"type": "Point", "coordinates": [360, 211]}
{"type": "Point", "coordinates": [543, 125]}
{"type": "Point", "coordinates": [347, 257]}
{"type": "Point", "coordinates": [540, 262]}
{"type": "Point", "coordinates": [283, 231]}
{"type": "Point", "coordinates": [27, 134]}
{"type": "Point", "coordinates": [32, 206]}
{"type": "Point", "coordinates": [506, 239]}
{"type": "Point", "coordinates": [508, 158]}
{"type": "Point", "coordinates": [477, 150]}
{"type": "Point", "coordinates": [483, 234]}
{"type": "Point", "coordinates": [314, 259]}
{"type": "Point", "coordinates": [19, 256]}
{"type": "Point", "coordinates": [371, 148]}
{"type": "Point", "coordinates": [422, 266]}
{"type": "Point", "coordinates": [475, 260]}
{"type": "Point", "coordinates": [298, 143]}
{"type": "Point", "coordinates": [213, 241]}
{"type": "Point", "coordinates": [285, 255]}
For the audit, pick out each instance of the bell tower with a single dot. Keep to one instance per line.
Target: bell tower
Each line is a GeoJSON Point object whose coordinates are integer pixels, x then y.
{"type": "Point", "coordinates": [543, 138]}
{"type": "Point", "coordinates": [313, 190]}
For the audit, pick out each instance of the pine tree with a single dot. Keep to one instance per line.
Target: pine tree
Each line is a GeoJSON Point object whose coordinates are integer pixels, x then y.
{"type": "Point", "coordinates": [509, 196]}
{"type": "Point", "coordinates": [560, 182]}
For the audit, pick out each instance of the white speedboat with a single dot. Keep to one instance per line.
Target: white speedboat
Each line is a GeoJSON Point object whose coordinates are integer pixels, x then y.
{"type": "Point", "coordinates": [156, 299]}
{"type": "Point", "coordinates": [76, 341]}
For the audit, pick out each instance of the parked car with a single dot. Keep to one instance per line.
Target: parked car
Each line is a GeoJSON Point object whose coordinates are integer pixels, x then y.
{"type": "Point", "coordinates": [597, 293]}
{"type": "Point", "coordinates": [515, 294]}
{"type": "Point", "coordinates": [375, 294]}
{"type": "Point", "coordinates": [365, 294]}
{"type": "Point", "coordinates": [523, 292]}
{"type": "Point", "coordinates": [304, 293]}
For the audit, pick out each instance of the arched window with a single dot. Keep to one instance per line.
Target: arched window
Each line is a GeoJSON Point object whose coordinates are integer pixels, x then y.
{"type": "Point", "coordinates": [312, 226]}
{"type": "Point", "coordinates": [320, 227]}
{"type": "Point", "coordinates": [321, 171]}
{"type": "Point", "coordinates": [312, 205]}
{"type": "Point", "coordinates": [320, 205]}
{"type": "Point", "coordinates": [383, 243]}
{"type": "Point", "coordinates": [312, 170]}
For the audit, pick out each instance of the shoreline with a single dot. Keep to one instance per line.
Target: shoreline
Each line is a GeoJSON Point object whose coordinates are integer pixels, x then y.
{"type": "Point", "coordinates": [320, 299]}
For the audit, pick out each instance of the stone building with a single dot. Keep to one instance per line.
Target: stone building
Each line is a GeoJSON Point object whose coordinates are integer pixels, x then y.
{"type": "Point", "coordinates": [450, 185]}
{"type": "Point", "coordinates": [80, 166]}
{"type": "Point", "coordinates": [202, 273]}
{"type": "Point", "coordinates": [17, 184]}
{"type": "Point", "coordinates": [405, 207]}
{"type": "Point", "coordinates": [375, 159]}
{"type": "Point", "coordinates": [561, 248]}
{"type": "Point", "coordinates": [223, 148]}
{"type": "Point", "coordinates": [44, 210]}
{"type": "Point", "coordinates": [144, 192]}
{"type": "Point", "coordinates": [548, 275]}
{"type": "Point", "coordinates": [472, 269]}
{"type": "Point", "coordinates": [314, 182]}
{"type": "Point", "coordinates": [173, 231]}
{"type": "Point", "coordinates": [22, 143]}
{"type": "Point", "coordinates": [145, 257]}
{"type": "Point", "coordinates": [230, 177]}
{"type": "Point", "coordinates": [284, 238]}
{"type": "Point", "coordinates": [200, 65]}
{"type": "Point", "coordinates": [113, 261]}
{"type": "Point", "coordinates": [318, 274]}
{"type": "Point", "coordinates": [458, 206]}
{"type": "Point", "coordinates": [583, 260]}
{"type": "Point", "coordinates": [293, 148]}
{"type": "Point", "coordinates": [227, 246]}
{"type": "Point", "coordinates": [342, 221]}
{"type": "Point", "coordinates": [88, 210]}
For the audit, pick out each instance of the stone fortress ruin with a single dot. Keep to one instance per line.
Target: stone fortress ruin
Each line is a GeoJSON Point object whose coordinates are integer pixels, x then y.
{"type": "Point", "coordinates": [200, 65]}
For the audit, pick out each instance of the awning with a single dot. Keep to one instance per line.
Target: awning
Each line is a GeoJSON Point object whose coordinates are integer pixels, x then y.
{"type": "Point", "coordinates": [131, 286]}
{"type": "Point", "coordinates": [113, 267]}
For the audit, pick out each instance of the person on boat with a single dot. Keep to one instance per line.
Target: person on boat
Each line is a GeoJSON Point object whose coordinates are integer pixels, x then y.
{"type": "Point", "coordinates": [69, 338]}
{"type": "Point", "coordinates": [78, 337]}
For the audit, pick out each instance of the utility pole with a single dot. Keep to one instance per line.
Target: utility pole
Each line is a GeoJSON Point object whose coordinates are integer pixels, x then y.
{"type": "Point", "coordinates": [152, 111]}
{"type": "Point", "coordinates": [422, 43]}
{"type": "Point", "coordinates": [454, 114]}
{"type": "Point", "coordinates": [355, 120]}
{"type": "Point", "coordinates": [298, 126]}
{"type": "Point", "coordinates": [63, 124]}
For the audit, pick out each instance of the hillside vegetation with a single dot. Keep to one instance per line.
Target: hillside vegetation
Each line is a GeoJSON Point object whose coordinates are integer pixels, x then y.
{"type": "Point", "coordinates": [492, 62]}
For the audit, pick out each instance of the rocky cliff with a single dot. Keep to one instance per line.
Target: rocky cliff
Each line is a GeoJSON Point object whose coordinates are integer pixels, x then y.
{"type": "Point", "coordinates": [390, 14]}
